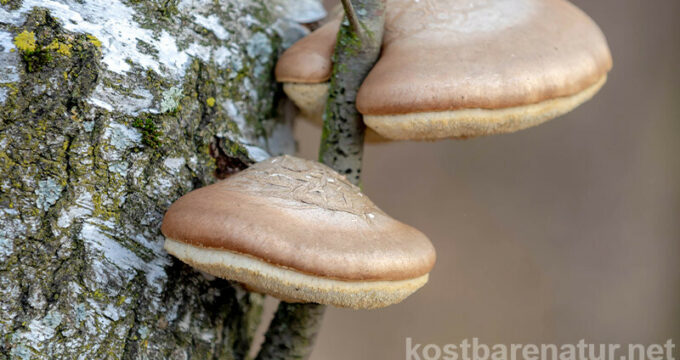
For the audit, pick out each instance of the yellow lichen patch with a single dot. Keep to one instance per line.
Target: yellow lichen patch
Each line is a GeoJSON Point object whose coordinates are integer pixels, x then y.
{"type": "Point", "coordinates": [210, 101]}
{"type": "Point", "coordinates": [60, 48]}
{"type": "Point", "coordinates": [93, 39]}
{"type": "Point", "coordinates": [25, 41]}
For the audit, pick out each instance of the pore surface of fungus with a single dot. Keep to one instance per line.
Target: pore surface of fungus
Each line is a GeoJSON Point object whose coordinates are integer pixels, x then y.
{"type": "Point", "coordinates": [299, 231]}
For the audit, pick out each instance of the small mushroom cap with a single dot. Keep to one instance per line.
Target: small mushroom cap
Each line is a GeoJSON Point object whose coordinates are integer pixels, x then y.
{"type": "Point", "coordinates": [305, 69]}
{"type": "Point", "coordinates": [456, 69]}
{"type": "Point", "coordinates": [308, 61]}
{"type": "Point", "coordinates": [298, 230]}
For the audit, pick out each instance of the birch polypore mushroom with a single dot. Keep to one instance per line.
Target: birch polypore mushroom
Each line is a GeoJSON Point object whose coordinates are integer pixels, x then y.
{"type": "Point", "coordinates": [453, 68]}
{"type": "Point", "coordinates": [305, 70]}
{"type": "Point", "coordinates": [299, 231]}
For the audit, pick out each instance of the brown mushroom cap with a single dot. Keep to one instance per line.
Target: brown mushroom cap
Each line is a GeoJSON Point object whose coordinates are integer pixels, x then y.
{"type": "Point", "coordinates": [308, 61]}
{"type": "Point", "coordinates": [298, 230]}
{"type": "Point", "coordinates": [522, 61]}
{"type": "Point", "coordinates": [454, 68]}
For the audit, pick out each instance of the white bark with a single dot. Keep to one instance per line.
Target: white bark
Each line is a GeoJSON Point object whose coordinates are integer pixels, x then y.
{"type": "Point", "coordinates": [118, 109]}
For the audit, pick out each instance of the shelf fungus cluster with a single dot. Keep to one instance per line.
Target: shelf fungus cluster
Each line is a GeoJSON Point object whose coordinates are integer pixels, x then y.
{"type": "Point", "coordinates": [459, 69]}
{"type": "Point", "coordinates": [299, 231]}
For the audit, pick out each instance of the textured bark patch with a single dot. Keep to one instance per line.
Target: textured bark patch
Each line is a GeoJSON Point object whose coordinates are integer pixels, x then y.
{"type": "Point", "coordinates": [82, 270]}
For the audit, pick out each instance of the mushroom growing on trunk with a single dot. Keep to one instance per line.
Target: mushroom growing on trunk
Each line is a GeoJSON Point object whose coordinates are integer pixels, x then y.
{"type": "Point", "coordinates": [447, 69]}
{"type": "Point", "coordinates": [458, 69]}
{"type": "Point", "coordinates": [299, 231]}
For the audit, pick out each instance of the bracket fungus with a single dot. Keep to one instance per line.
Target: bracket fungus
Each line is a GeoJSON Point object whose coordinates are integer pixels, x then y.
{"type": "Point", "coordinates": [458, 69]}
{"type": "Point", "coordinates": [305, 70]}
{"type": "Point", "coordinates": [299, 231]}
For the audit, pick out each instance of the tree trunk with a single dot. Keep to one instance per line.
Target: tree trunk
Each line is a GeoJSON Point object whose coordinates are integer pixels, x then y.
{"type": "Point", "coordinates": [109, 111]}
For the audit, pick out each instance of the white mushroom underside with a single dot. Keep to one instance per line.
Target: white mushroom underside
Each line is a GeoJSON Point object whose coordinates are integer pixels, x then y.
{"type": "Point", "coordinates": [463, 123]}
{"type": "Point", "coordinates": [467, 123]}
{"type": "Point", "coordinates": [291, 285]}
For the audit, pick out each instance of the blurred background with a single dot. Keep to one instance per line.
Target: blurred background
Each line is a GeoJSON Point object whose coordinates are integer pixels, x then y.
{"type": "Point", "coordinates": [566, 231]}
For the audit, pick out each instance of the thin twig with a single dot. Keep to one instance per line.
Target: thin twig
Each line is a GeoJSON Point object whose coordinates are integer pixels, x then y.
{"type": "Point", "coordinates": [352, 16]}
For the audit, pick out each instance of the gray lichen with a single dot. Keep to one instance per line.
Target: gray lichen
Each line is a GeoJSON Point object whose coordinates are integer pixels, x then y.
{"type": "Point", "coordinates": [171, 98]}
{"type": "Point", "coordinates": [47, 193]}
{"type": "Point", "coordinates": [82, 269]}
{"type": "Point", "coordinates": [20, 352]}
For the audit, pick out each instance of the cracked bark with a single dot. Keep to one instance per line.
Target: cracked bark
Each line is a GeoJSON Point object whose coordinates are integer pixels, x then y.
{"type": "Point", "coordinates": [83, 190]}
